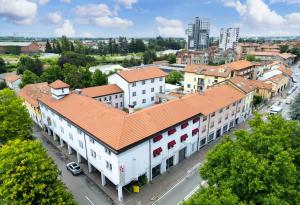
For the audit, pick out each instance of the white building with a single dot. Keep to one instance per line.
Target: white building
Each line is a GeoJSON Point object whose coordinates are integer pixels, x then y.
{"type": "Point", "coordinates": [110, 94]}
{"type": "Point", "coordinates": [228, 38]}
{"type": "Point", "coordinates": [107, 69]}
{"type": "Point", "coordinates": [13, 82]}
{"type": "Point", "coordinates": [124, 146]}
{"type": "Point", "coordinates": [139, 85]}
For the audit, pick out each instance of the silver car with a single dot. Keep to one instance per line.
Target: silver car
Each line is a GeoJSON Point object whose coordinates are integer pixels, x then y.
{"type": "Point", "coordinates": [74, 168]}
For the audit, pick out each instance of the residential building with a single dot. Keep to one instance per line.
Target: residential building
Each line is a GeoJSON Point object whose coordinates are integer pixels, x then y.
{"type": "Point", "coordinates": [243, 49]}
{"type": "Point", "coordinates": [123, 147]}
{"type": "Point", "coordinates": [242, 68]}
{"type": "Point", "coordinates": [279, 82]}
{"type": "Point", "coordinates": [285, 58]}
{"type": "Point", "coordinates": [198, 78]}
{"type": "Point", "coordinates": [269, 48]}
{"type": "Point", "coordinates": [262, 89]}
{"type": "Point", "coordinates": [24, 47]}
{"type": "Point", "coordinates": [30, 95]}
{"type": "Point", "coordinates": [139, 85]}
{"type": "Point", "coordinates": [107, 69]}
{"type": "Point", "coordinates": [197, 34]}
{"type": "Point", "coordinates": [192, 57]}
{"type": "Point", "coordinates": [228, 38]}
{"type": "Point", "coordinates": [111, 94]}
{"type": "Point", "coordinates": [13, 81]}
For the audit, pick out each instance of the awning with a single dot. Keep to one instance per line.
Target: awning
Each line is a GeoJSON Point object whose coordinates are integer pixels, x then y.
{"type": "Point", "coordinates": [171, 131]}
{"type": "Point", "coordinates": [195, 131]}
{"type": "Point", "coordinates": [157, 138]}
{"type": "Point", "coordinates": [184, 125]}
{"type": "Point", "coordinates": [183, 137]}
{"type": "Point", "coordinates": [171, 144]}
{"type": "Point", "coordinates": [157, 151]}
{"type": "Point", "coordinates": [196, 119]}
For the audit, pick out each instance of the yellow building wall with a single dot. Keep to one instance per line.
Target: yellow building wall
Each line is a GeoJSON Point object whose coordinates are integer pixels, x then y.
{"type": "Point", "coordinates": [266, 94]}
{"type": "Point", "coordinates": [279, 86]}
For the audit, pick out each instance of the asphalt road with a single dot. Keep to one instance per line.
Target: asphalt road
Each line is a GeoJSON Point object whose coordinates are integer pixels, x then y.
{"type": "Point", "coordinates": [83, 189]}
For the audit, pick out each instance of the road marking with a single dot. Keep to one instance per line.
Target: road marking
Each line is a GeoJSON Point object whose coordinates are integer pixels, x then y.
{"type": "Point", "coordinates": [89, 200]}
{"type": "Point", "coordinates": [191, 193]}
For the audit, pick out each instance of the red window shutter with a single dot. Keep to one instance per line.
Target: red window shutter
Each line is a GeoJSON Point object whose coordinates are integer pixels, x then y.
{"type": "Point", "coordinates": [157, 151]}
{"type": "Point", "coordinates": [183, 137]}
{"type": "Point", "coordinates": [196, 119]}
{"type": "Point", "coordinates": [195, 131]}
{"type": "Point", "coordinates": [157, 138]}
{"type": "Point", "coordinates": [171, 131]}
{"type": "Point", "coordinates": [184, 125]}
{"type": "Point", "coordinates": [171, 144]}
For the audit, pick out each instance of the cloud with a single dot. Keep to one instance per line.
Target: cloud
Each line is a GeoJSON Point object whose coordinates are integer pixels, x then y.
{"type": "Point", "coordinates": [65, 1]}
{"type": "Point", "coordinates": [127, 3]}
{"type": "Point", "coordinates": [169, 27]}
{"type": "Point", "coordinates": [87, 35]}
{"type": "Point", "coordinates": [67, 29]}
{"type": "Point", "coordinates": [92, 10]}
{"type": "Point", "coordinates": [112, 22]}
{"type": "Point", "coordinates": [54, 18]}
{"type": "Point", "coordinates": [18, 11]}
{"type": "Point", "coordinates": [257, 15]}
{"type": "Point", "coordinates": [43, 2]}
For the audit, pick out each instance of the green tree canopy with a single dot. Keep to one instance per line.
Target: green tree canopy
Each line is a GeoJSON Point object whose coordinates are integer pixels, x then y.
{"type": "Point", "coordinates": [14, 118]}
{"type": "Point", "coordinates": [98, 78]}
{"type": "Point", "coordinates": [258, 167]}
{"type": "Point", "coordinates": [75, 59]}
{"type": "Point", "coordinates": [174, 77]}
{"type": "Point", "coordinates": [52, 74]}
{"type": "Point", "coordinates": [283, 48]}
{"type": "Point", "coordinates": [77, 77]}
{"type": "Point", "coordinates": [29, 78]}
{"type": "Point", "coordinates": [29, 176]}
{"type": "Point", "coordinates": [250, 57]}
{"type": "Point", "coordinates": [32, 64]}
{"type": "Point", "coordinates": [2, 66]}
{"type": "Point", "coordinates": [295, 109]}
{"type": "Point", "coordinates": [48, 47]}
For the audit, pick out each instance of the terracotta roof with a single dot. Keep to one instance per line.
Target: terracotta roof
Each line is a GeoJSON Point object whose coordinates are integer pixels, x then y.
{"type": "Point", "coordinates": [239, 65]}
{"type": "Point", "coordinates": [261, 84]}
{"type": "Point", "coordinates": [32, 92]}
{"type": "Point", "coordinates": [286, 55]}
{"type": "Point", "coordinates": [285, 70]}
{"type": "Point", "coordinates": [243, 84]}
{"type": "Point", "coordinates": [263, 53]}
{"type": "Point", "coordinates": [276, 78]}
{"type": "Point", "coordinates": [220, 71]}
{"type": "Point", "coordinates": [12, 78]}
{"type": "Point", "coordinates": [101, 90]}
{"type": "Point", "coordinates": [58, 84]}
{"type": "Point", "coordinates": [119, 130]}
{"type": "Point", "coordinates": [141, 74]}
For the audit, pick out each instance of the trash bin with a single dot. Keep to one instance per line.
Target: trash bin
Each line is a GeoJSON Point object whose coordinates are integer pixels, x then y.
{"type": "Point", "coordinates": [136, 189]}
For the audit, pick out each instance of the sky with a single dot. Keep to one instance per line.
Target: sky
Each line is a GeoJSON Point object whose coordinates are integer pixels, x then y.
{"type": "Point", "coordinates": [146, 18]}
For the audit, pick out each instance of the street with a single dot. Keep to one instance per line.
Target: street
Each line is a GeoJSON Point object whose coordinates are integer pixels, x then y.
{"type": "Point", "coordinates": [83, 189]}
{"type": "Point", "coordinates": [188, 185]}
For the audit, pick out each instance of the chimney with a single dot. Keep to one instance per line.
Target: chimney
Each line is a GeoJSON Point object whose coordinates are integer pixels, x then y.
{"type": "Point", "coordinates": [78, 91]}
{"type": "Point", "coordinates": [131, 109]}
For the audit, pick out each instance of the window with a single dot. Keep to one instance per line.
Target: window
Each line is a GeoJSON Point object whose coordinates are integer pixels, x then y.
{"type": "Point", "coordinates": [92, 140]}
{"type": "Point", "coordinates": [134, 103]}
{"type": "Point", "coordinates": [220, 120]}
{"type": "Point", "coordinates": [69, 124]}
{"type": "Point", "coordinates": [60, 118]}
{"type": "Point", "coordinates": [231, 124]}
{"type": "Point", "coordinates": [52, 113]}
{"type": "Point", "coordinates": [226, 117]}
{"type": "Point", "coordinates": [121, 95]}
{"type": "Point", "coordinates": [133, 94]}
{"type": "Point", "coordinates": [203, 142]}
{"type": "Point", "coordinates": [221, 111]}
{"type": "Point", "coordinates": [107, 151]}
{"type": "Point", "coordinates": [108, 166]}
{"type": "Point", "coordinates": [213, 114]}
{"type": "Point", "coordinates": [144, 101]}
{"type": "Point", "coordinates": [152, 99]}
{"type": "Point", "coordinates": [189, 85]}
{"type": "Point", "coordinates": [184, 125]}
{"type": "Point", "coordinates": [143, 82]}
{"type": "Point", "coordinates": [93, 153]}
{"type": "Point", "coordinates": [204, 129]}
{"type": "Point", "coordinates": [232, 114]}
{"type": "Point", "coordinates": [152, 80]}
{"type": "Point", "coordinates": [227, 108]}
{"type": "Point", "coordinates": [116, 96]}
{"type": "Point", "coordinates": [240, 101]}
{"type": "Point", "coordinates": [109, 98]}
{"type": "Point", "coordinates": [211, 137]}
{"type": "Point", "coordinates": [160, 79]}
{"type": "Point", "coordinates": [61, 129]}
{"type": "Point", "coordinates": [196, 119]}
{"type": "Point", "coordinates": [143, 91]}
{"type": "Point", "coordinates": [157, 138]}
{"type": "Point", "coordinates": [161, 89]}
{"type": "Point", "coordinates": [195, 131]}
{"type": "Point", "coordinates": [204, 118]}
{"type": "Point", "coordinates": [183, 137]}
{"type": "Point", "coordinates": [171, 144]}
{"type": "Point", "coordinates": [212, 124]}
{"type": "Point", "coordinates": [104, 98]}
{"type": "Point", "coordinates": [80, 144]}
{"type": "Point", "coordinates": [233, 104]}
{"type": "Point", "coordinates": [133, 84]}
{"type": "Point", "coordinates": [70, 136]}
{"type": "Point", "coordinates": [121, 104]}
{"type": "Point", "coordinates": [152, 90]}
{"type": "Point", "coordinates": [157, 152]}
{"type": "Point", "coordinates": [171, 131]}
{"type": "Point", "coordinates": [79, 131]}
{"type": "Point", "coordinates": [116, 105]}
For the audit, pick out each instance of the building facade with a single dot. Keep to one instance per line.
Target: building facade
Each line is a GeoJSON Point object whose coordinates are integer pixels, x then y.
{"type": "Point", "coordinates": [192, 57]}
{"type": "Point", "coordinates": [22, 47]}
{"type": "Point", "coordinates": [197, 34]}
{"type": "Point", "coordinates": [139, 85]}
{"type": "Point", "coordinates": [13, 82]}
{"type": "Point", "coordinates": [228, 38]}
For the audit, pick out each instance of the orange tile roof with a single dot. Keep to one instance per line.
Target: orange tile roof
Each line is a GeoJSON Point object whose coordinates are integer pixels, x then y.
{"type": "Point", "coordinates": [31, 92]}
{"type": "Point", "coordinates": [263, 53]}
{"type": "Point", "coordinates": [285, 70]}
{"type": "Point", "coordinates": [286, 55]}
{"type": "Point", "coordinates": [276, 78]}
{"type": "Point", "coordinates": [58, 84]}
{"type": "Point", "coordinates": [243, 84]}
{"type": "Point", "coordinates": [219, 71]}
{"type": "Point", "coordinates": [103, 90]}
{"type": "Point", "coordinates": [119, 130]}
{"type": "Point", "coordinates": [261, 84]}
{"type": "Point", "coordinates": [143, 73]}
{"type": "Point", "coordinates": [12, 78]}
{"type": "Point", "coordinates": [239, 65]}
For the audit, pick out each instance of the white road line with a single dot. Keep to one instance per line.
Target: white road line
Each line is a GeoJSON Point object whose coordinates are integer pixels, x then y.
{"type": "Point", "coordinates": [89, 200]}
{"type": "Point", "coordinates": [192, 192]}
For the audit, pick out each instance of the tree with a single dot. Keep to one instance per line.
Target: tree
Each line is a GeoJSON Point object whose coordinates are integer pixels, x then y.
{"type": "Point", "coordinates": [28, 63]}
{"type": "Point", "coordinates": [51, 74]}
{"type": "Point", "coordinates": [295, 109]}
{"type": "Point", "coordinates": [174, 77]}
{"type": "Point", "coordinates": [257, 167]}
{"type": "Point", "coordinates": [29, 78]}
{"type": "Point", "coordinates": [65, 44]}
{"type": "Point", "coordinates": [75, 59]}
{"type": "Point", "coordinates": [2, 66]}
{"type": "Point", "coordinates": [15, 121]}
{"type": "Point", "coordinates": [250, 57]}
{"type": "Point", "coordinates": [77, 77]}
{"type": "Point", "coordinates": [48, 48]}
{"type": "Point", "coordinates": [257, 100]}
{"type": "Point", "coordinates": [283, 48]}
{"type": "Point", "coordinates": [172, 58]}
{"type": "Point", "coordinates": [29, 176]}
{"type": "Point", "coordinates": [149, 56]}
{"type": "Point", "coordinates": [98, 78]}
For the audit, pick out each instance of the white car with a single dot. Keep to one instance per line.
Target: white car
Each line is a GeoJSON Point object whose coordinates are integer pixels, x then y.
{"type": "Point", "coordinates": [74, 168]}
{"type": "Point", "coordinates": [288, 101]}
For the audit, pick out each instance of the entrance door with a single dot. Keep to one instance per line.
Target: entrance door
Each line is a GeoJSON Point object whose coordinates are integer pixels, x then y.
{"type": "Point", "coordinates": [155, 171]}
{"type": "Point", "coordinates": [182, 154]}
{"type": "Point", "coordinates": [218, 134]}
{"type": "Point", "coordinates": [170, 162]}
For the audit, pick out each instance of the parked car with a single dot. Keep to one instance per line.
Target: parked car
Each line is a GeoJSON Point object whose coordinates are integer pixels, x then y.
{"type": "Point", "coordinates": [288, 101]}
{"type": "Point", "coordinates": [74, 168]}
